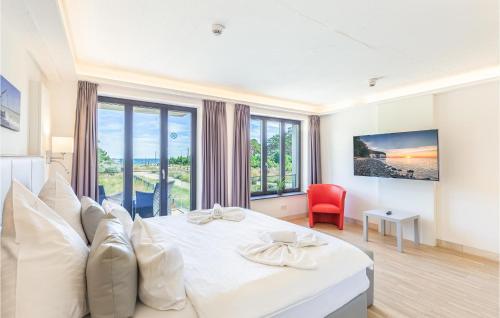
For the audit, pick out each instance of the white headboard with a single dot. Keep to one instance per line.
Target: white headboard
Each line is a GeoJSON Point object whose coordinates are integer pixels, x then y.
{"type": "Point", "coordinates": [30, 171]}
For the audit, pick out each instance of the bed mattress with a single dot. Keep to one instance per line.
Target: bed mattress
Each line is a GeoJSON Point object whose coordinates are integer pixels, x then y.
{"type": "Point", "coordinates": [221, 283]}
{"type": "Point", "coordinates": [318, 306]}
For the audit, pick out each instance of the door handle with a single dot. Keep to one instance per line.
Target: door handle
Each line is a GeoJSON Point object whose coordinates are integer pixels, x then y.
{"type": "Point", "coordinates": [163, 174]}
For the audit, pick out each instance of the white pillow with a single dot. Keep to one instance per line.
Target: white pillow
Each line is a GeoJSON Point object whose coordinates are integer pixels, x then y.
{"type": "Point", "coordinates": [59, 196]}
{"type": "Point", "coordinates": [120, 213]}
{"type": "Point", "coordinates": [44, 260]}
{"type": "Point", "coordinates": [161, 267]}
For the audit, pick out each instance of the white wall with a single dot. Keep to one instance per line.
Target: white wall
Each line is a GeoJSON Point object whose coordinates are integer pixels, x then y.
{"type": "Point", "coordinates": [18, 67]}
{"type": "Point", "coordinates": [411, 114]}
{"type": "Point", "coordinates": [63, 97]}
{"type": "Point", "coordinates": [468, 191]}
{"type": "Point", "coordinates": [282, 207]}
{"type": "Point", "coordinates": [463, 207]}
{"type": "Point", "coordinates": [63, 103]}
{"type": "Point", "coordinates": [39, 119]}
{"type": "Point", "coordinates": [365, 193]}
{"type": "Point", "coordinates": [62, 117]}
{"type": "Point", "coordinates": [337, 161]}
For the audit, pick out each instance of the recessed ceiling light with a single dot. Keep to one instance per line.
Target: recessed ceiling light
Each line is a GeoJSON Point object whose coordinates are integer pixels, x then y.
{"type": "Point", "coordinates": [373, 81]}
{"type": "Point", "coordinates": [217, 29]}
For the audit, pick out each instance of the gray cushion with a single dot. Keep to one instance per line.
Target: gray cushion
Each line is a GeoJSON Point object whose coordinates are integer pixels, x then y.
{"type": "Point", "coordinates": [111, 272]}
{"type": "Point", "coordinates": [92, 213]}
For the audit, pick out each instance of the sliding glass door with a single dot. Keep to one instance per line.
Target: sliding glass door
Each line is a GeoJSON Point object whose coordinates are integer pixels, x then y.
{"type": "Point", "coordinates": [146, 156]}
{"type": "Point", "coordinates": [111, 151]}
{"type": "Point", "coordinates": [146, 160]}
{"type": "Point", "coordinates": [179, 152]}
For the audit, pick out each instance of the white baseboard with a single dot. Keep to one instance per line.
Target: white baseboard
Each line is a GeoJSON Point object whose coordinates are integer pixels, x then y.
{"type": "Point", "coordinates": [294, 216]}
{"type": "Point", "coordinates": [441, 243]}
{"type": "Point", "coordinates": [464, 249]}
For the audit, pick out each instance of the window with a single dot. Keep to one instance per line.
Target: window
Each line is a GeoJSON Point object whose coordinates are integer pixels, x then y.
{"type": "Point", "coordinates": [274, 155]}
{"type": "Point", "coordinates": [145, 156]}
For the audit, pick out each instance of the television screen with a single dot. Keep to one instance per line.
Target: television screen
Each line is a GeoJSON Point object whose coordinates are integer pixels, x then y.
{"type": "Point", "coordinates": [405, 155]}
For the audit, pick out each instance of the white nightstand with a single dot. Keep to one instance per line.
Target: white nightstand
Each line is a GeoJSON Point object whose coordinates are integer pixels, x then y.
{"type": "Point", "coordinates": [397, 217]}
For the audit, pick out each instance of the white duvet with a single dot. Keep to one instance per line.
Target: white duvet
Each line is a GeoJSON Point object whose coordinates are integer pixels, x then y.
{"type": "Point", "coordinates": [221, 283]}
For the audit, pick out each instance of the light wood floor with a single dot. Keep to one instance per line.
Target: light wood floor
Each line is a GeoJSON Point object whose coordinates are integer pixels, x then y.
{"type": "Point", "coordinates": [424, 281]}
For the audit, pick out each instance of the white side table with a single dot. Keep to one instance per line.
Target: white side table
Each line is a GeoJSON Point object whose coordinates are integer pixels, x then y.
{"type": "Point", "coordinates": [397, 217]}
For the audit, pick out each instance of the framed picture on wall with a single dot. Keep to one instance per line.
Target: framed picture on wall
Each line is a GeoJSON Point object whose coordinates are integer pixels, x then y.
{"type": "Point", "coordinates": [404, 155]}
{"type": "Point", "coordinates": [10, 105]}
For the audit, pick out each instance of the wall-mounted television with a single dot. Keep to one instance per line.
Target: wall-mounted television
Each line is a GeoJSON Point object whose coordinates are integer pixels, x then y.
{"type": "Point", "coordinates": [404, 155]}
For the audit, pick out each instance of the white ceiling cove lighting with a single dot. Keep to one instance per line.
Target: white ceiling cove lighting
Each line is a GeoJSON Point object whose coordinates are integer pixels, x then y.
{"type": "Point", "coordinates": [428, 87]}
{"type": "Point", "coordinates": [436, 85]}
{"type": "Point", "coordinates": [309, 55]}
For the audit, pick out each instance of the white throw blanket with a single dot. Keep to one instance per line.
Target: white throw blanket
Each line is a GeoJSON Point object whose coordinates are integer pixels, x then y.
{"type": "Point", "coordinates": [216, 213]}
{"type": "Point", "coordinates": [283, 248]}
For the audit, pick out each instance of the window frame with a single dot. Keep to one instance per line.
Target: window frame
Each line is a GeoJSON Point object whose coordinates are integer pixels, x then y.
{"type": "Point", "coordinates": [263, 136]}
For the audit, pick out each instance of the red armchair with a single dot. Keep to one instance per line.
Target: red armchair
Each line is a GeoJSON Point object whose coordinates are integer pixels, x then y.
{"type": "Point", "coordinates": [326, 204]}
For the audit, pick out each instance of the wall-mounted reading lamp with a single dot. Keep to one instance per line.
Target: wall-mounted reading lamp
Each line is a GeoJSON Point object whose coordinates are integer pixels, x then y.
{"type": "Point", "coordinates": [63, 146]}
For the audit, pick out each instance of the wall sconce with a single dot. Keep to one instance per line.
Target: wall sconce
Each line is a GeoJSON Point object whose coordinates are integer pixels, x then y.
{"type": "Point", "coordinates": [63, 146]}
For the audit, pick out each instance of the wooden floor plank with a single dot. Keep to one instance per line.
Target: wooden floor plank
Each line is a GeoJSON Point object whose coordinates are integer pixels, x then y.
{"type": "Point", "coordinates": [424, 281]}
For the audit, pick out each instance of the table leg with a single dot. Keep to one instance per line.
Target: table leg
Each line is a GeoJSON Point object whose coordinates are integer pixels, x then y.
{"type": "Point", "coordinates": [382, 226]}
{"type": "Point", "coordinates": [399, 236]}
{"type": "Point", "coordinates": [416, 232]}
{"type": "Point", "coordinates": [365, 227]}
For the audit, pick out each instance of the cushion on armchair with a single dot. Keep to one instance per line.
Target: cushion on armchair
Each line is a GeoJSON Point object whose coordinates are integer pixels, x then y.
{"type": "Point", "coordinates": [326, 208]}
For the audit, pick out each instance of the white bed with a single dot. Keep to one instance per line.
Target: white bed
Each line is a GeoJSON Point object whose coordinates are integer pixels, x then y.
{"type": "Point", "coordinates": [221, 283]}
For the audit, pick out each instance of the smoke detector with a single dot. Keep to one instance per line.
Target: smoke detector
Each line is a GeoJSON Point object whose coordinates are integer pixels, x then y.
{"type": "Point", "coordinates": [373, 81]}
{"type": "Point", "coordinates": [217, 29]}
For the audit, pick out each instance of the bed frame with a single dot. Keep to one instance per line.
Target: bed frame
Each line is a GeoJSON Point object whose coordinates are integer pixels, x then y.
{"type": "Point", "coordinates": [28, 170]}
{"type": "Point", "coordinates": [357, 307]}
{"type": "Point", "coordinates": [31, 171]}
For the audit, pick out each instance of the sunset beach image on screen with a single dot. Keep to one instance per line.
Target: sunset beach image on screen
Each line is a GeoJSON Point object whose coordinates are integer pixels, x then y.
{"type": "Point", "coordinates": [405, 155]}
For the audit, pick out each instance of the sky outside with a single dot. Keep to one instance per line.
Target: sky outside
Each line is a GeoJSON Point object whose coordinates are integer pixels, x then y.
{"type": "Point", "coordinates": [416, 144]}
{"type": "Point", "coordinates": [273, 128]}
{"type": "Point", "coordinates": [146, 134]}
{"type": "Point", "coordinates": [255, 127]}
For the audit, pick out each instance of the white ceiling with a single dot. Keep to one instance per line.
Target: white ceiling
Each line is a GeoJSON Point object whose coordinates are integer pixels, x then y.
{"type": "Point", "coordinates": [318, 52]}
{"type": "Point", "coordinates": [36, 25]}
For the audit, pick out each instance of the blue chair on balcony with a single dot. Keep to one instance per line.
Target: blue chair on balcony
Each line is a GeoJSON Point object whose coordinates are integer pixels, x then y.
{"type": "Point", "coordinates": [102, 194]}
{"type": "Point", "coordinates": [144, 203]}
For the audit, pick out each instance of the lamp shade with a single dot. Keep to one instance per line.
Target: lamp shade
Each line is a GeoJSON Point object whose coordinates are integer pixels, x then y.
{"type": "Point", "coordinates": [62, 144]}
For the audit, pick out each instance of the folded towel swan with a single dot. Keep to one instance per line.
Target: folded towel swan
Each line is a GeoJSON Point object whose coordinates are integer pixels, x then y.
{"type": "Point", "coordinates": [216, 213]}
{"type": "Point", "coordinates": [282, 248]}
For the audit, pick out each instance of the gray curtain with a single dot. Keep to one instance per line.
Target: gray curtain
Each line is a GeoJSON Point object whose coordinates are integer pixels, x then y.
{"type": "Point", "coordinates": [314, 150]}
{"type": "Point", "coordinates": [84, 172]}
{"type": "Point", "coordinates": [214, 154]}
{"type": "Point", "coordinates": [241, 157]}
